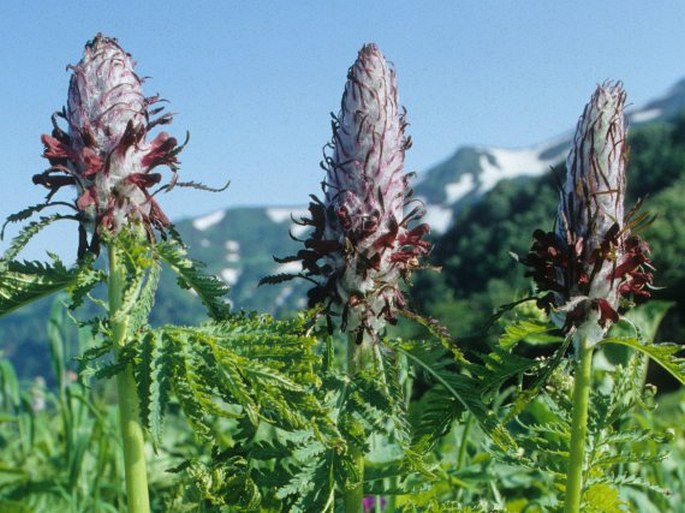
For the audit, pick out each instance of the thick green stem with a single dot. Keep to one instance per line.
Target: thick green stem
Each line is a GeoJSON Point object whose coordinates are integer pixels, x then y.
{"type": "Point", "coordinates": [129, 412]}
{"type": "Point", "coordinates": [581, 399]}
{"type": "Point", "coordinates": [354, 495]}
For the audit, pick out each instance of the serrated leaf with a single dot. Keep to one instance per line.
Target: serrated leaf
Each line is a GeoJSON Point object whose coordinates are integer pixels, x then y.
{"type": "Point", "coordinates": [665, 354]}
{"type": "Point", "coordinates": [521, 330]}
{"type": "Point", "coordinates": [22, 283]}
{"type": "Point", "coordinates": [141, 308]}
{"type": "Point", "coordinates": [275, 279]}
{"type": "Point", "coordinates": [183, 385]}
{"type": "Point", "coordinates": [464, 389]}
{"type": "Point", "coordinates": [86, 279]}
{"type": "Point", "coordinates": [210, 289]}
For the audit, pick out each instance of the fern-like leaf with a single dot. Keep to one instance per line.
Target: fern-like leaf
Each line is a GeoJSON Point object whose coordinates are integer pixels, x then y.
{"type": "Point", "coordinates": [435, 362]}
{"type": "Point", "coordinates": [665, 354]}
{"type": "Point", "coordinates": [22, 283]}
{"type": "Point", "coordinates": [526, 329]}
{"type": "Point", "coordinates": [275, 279]}
{"type": "Point", "coordinates": [210, 290]}
{"type": "Point", "coordinates": [141, 308]}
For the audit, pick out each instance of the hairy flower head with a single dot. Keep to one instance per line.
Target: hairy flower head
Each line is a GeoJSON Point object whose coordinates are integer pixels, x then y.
{"type": "Point", "coordinates": [362, 243]}
{"type": "Point", "coordinates": [104, 150]}
{"type": "Point", "coordinates": [591, 260]}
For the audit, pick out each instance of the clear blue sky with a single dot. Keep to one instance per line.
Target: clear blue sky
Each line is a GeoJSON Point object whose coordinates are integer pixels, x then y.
{"type": "Point", "coordinates": [254, 81]}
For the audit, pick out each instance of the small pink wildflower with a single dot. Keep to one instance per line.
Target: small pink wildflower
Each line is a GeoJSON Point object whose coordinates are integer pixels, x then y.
{"type": "Point", "coordinates": [369, 503]}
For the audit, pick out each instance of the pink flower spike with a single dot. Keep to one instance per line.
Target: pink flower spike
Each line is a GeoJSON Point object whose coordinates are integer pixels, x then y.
{"type": "Point", "coordinates": [592, 260]}
{"type": "Point", "coordinates": [104, 150]}
{"type": "Point", "coordinates": [362, 243]}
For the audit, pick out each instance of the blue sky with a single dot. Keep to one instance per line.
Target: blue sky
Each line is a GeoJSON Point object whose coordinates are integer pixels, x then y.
{"type": "Point", "coordinates": [254, 82]}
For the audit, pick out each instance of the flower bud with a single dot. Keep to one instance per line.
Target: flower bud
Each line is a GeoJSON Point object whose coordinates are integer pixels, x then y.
{"type": "Point", "coordinates": [104, 151]}
{"type": "Point", "coordinates": [362, 243]}
{"type": "Point", "coordinates": [591, 259]}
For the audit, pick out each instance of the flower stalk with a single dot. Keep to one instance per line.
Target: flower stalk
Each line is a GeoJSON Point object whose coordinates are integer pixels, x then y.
{"type": "Point", "coordinates": [132, 435]}
{"type": "Point", "coordinates": [353, 496]}
{"type": "Point", "coordinates": [581, 400]}
{"type": "Point", "coordinates": [105, 154]}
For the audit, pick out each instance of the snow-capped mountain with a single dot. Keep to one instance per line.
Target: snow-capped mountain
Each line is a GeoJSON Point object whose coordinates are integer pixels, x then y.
{"type": "Point", "coordinates": [238, 244]}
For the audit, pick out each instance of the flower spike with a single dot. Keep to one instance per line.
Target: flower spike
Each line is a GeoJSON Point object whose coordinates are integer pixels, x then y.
{"type": "Point", "coordinates": [104, 150]}
{"type": "Point", "coordinates": [592, 260]}
{"type": "Point", "coordinates": [362, 242]}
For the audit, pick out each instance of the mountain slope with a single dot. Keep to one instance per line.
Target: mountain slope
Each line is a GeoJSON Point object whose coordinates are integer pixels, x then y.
{"type": "Point", "coordinates": [472, 171]}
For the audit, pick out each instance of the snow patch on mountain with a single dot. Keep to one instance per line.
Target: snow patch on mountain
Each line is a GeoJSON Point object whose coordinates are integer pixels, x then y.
{"type": "Point", "coordinates": [456, 190]}
{"type": "Point", "coordinates": [644, 115]}
{"type": "Point", "coordinates": [230, 275]}
{"type": "Point", "coordinates": [232, 249]}
{"type": "Point", "coordinates": [283, 295]}
{"type": "Point", "coordinates": [280, 215]}
{"type": "Point", "coordinates": [501, 163]}
{"type": "Point", "coordinates": [439, 218]}
{"type": "Point", "coordinates": [299, 231]}
{"type": "Point", "coordinates": [204, 222]}
{"type": "Point", "coordinates": [232, 245]}
{"type": "Point", "coordinates": [288, 268]}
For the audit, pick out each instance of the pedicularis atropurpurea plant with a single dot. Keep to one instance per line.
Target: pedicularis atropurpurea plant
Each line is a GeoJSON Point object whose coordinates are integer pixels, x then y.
{"type": "Point", "coordinates": [281, 423]}
{"type": "Point", "coordinates": [593, 265]}
{"type": "Point", "coordinates": [237, 367]}
{"type": "Point", "coordinates": [363, 239]}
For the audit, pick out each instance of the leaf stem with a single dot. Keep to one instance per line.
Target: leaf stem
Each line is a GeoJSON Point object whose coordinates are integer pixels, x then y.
{"type": "Point", "coordinates": [581, 399]}
{"type": "Point", "coordinates": [129, 410]}
{"type": "Point", "coordinates": [353, 496]}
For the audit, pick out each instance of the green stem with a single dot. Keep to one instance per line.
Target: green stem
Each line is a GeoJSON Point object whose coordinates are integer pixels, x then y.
{"type": "Point", "coordinates": [353, 496]}
{"type": "Point", "coordinates": [581, 399]}
{"type": "Point", "coordinates": [464, 441]}
{"type": "Point", "coordinates": [129, 412]}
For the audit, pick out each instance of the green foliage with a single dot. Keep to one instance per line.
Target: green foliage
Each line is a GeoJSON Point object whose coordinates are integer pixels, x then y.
{"type": "Point", "coordinates": [643, 322]}
{"type": "Point", "coordinates": [664, 354]}
{"type": "Point", "coordinates": [210, 290]}
{"type": "Point", "coordinates": [22, 283]}
{"type": "Point", "coordinates": [467, 391]}
{"type": "Point", "coordinates": [66, 460]}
